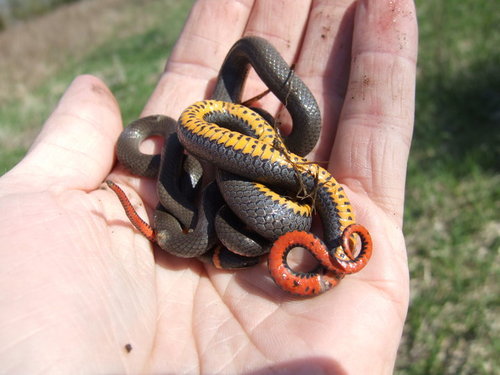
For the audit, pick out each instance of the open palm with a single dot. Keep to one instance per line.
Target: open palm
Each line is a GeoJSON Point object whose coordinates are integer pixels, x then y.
{"type": "Point", "coordinates": [81, 291]}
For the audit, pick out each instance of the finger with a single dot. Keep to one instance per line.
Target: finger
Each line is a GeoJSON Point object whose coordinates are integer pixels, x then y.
{"type": "Point", "coordinates": [75, 149]}
{"type": "Point", "coordinates": [373, 139]}
{"type": "Point", "coordinates": [198, 54]}
{"type": "Point", "coordinates": [324, 64]}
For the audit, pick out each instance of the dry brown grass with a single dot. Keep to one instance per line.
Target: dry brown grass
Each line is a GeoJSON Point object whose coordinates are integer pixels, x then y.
{"type": "Point", "coordinates": [34, 50]}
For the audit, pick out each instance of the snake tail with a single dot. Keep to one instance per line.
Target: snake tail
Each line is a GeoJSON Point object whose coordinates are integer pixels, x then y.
{"type": "Point", "coordinates": [143, 227]}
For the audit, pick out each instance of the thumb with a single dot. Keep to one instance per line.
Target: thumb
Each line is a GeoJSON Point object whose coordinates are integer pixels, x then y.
{"type": "Point", "coordinates": [75, 149]}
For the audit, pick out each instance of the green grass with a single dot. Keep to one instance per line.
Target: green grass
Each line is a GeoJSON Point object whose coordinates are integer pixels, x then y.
{"type": "Point", "coordinates": [25, 9]}
{"type": "Point", "coordinates": [452, 223]}
{"type": "Point", "coordinates": [12, 11]}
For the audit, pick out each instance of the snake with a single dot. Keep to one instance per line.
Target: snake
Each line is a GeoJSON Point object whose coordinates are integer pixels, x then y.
{"type": "Point", "coordinates": [249, 155]}
{"type": "Point", "coordinates": [271, 163]}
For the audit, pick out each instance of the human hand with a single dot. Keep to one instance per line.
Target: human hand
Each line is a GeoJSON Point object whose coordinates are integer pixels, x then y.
{"type": "Point", "coordinates": [78, 283]}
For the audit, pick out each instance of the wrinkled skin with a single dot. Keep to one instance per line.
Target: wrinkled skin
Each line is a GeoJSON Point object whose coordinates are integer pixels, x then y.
{"type": "Point", "coordinates": [78, 283]}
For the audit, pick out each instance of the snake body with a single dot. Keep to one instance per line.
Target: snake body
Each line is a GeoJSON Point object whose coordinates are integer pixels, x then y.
{"type": "Point", "coordinates": [257, 200]}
